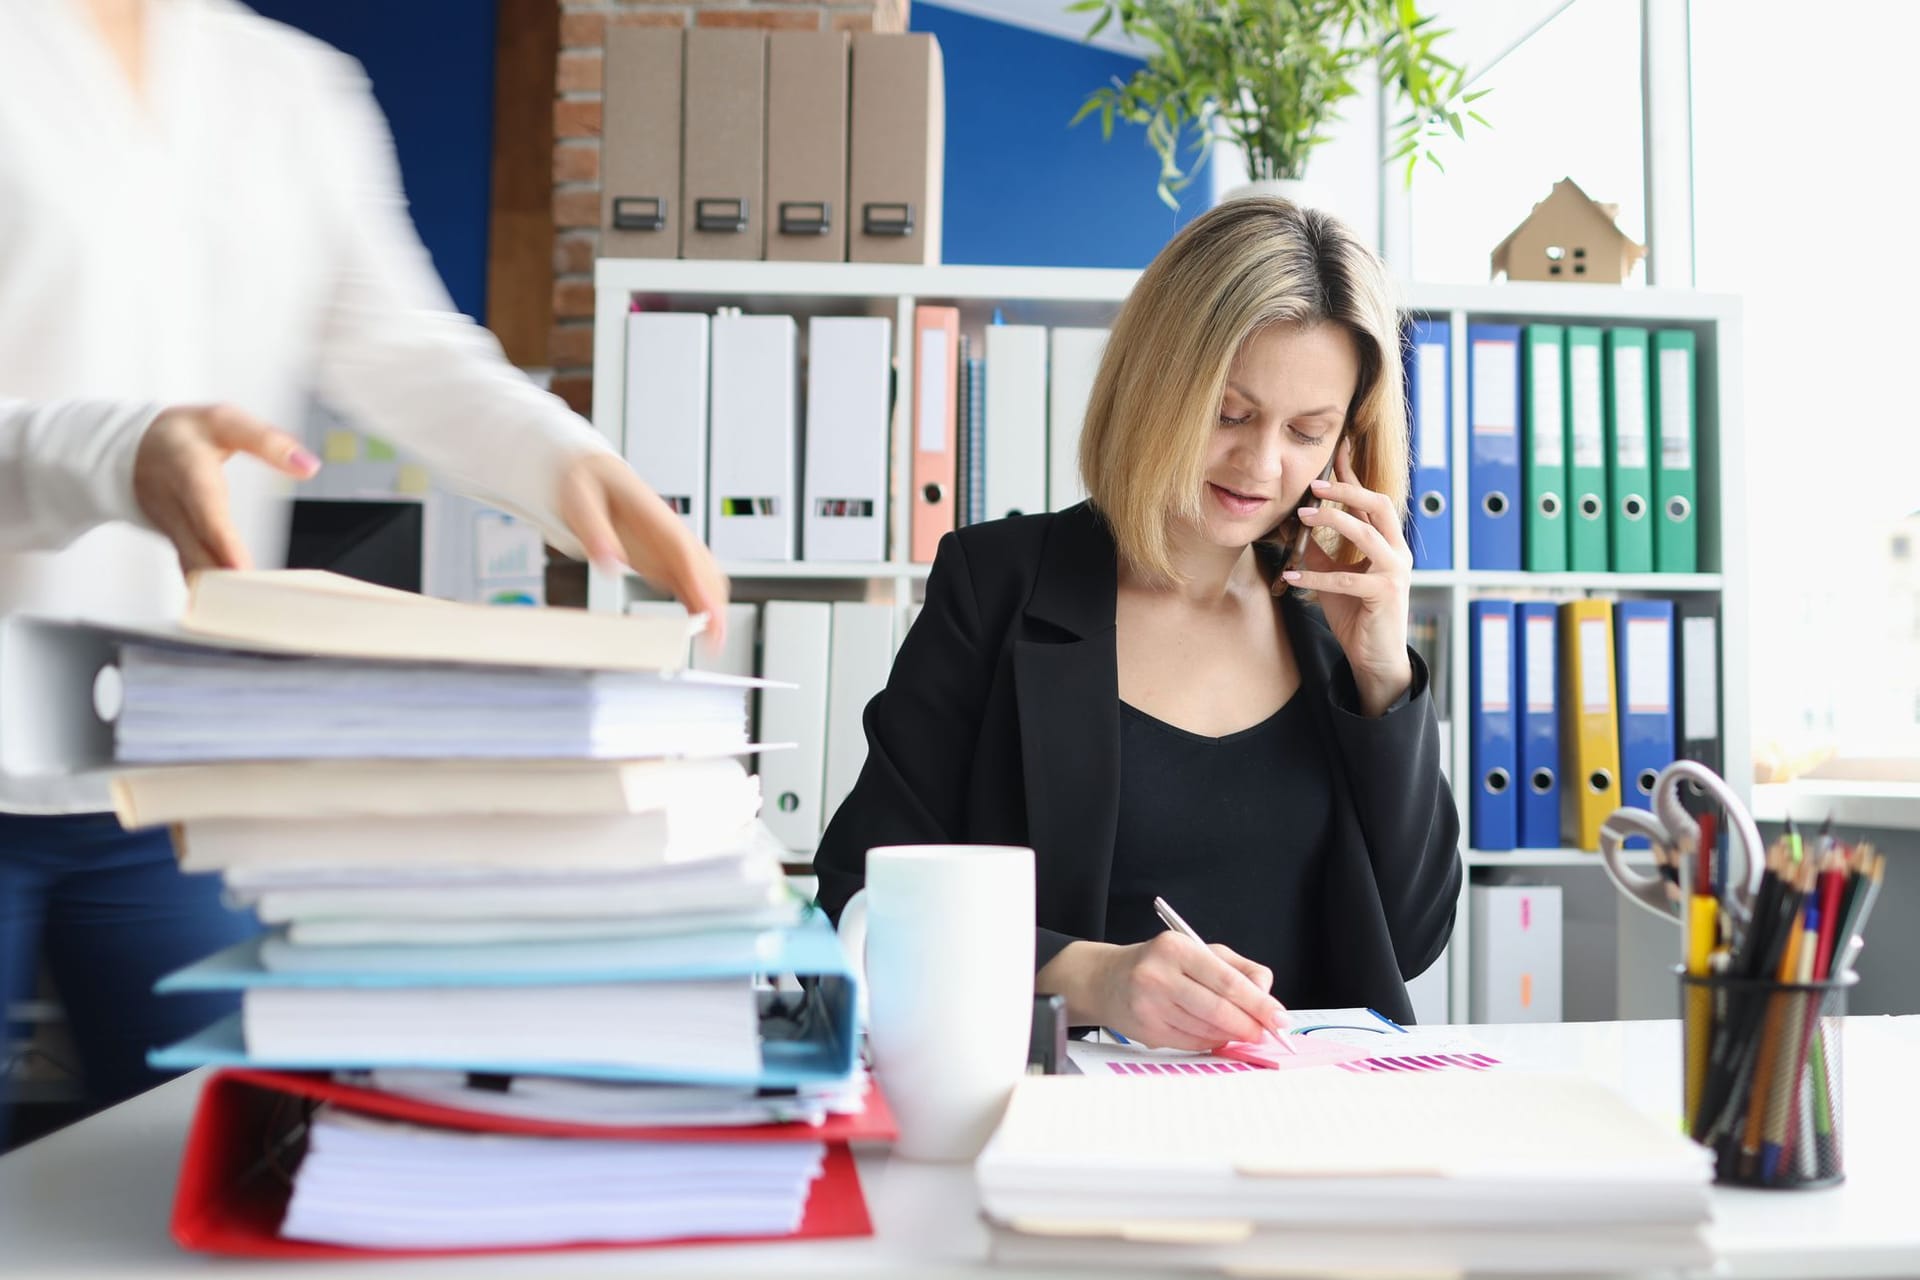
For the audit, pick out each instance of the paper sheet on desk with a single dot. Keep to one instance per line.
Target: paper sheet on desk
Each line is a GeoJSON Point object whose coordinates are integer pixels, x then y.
{"type": "Point", "coordinates": [1355, 1040]}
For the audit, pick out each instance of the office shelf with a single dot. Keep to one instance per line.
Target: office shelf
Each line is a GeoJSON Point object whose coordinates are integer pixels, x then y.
{"type": "Point", "coordinates": [1529, 858]}
{"type": "Point", "coordinates": [824, 570]}
{"type": "Point", "coordinates": [1480, 580]}
{"type": "Point", "coordinates": [1064, 296]}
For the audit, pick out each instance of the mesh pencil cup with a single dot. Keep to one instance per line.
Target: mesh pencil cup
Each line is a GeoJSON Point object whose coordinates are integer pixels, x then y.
{"type": "Point", "coordinates": [1761, 1081]}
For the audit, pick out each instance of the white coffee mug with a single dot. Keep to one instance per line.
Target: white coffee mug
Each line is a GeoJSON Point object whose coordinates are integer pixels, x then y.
{"type": "Point", "coordinates": [944, 934]}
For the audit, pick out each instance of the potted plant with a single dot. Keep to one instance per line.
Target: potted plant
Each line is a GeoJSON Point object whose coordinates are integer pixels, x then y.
{"type": "Point", "coordinates": [1269, 76]}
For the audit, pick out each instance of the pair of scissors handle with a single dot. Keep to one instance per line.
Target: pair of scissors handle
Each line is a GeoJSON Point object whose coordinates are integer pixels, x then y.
{"type": "Point", "coordinates": [1646, 890]}
{"type": "Point", "coordinates": [1669, 824]}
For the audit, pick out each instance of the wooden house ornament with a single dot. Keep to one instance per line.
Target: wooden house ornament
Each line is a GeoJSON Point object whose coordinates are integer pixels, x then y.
{"type": "Point", "coordinates": [1569, 236]}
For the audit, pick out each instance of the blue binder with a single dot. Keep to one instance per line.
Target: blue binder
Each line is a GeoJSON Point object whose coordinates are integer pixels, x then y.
{"type": "Point", "coordinates": [1537, 701]}
{"type": "Point", "coordinates": [1493, 447]}
{"type": "Point", "coordinates": [1495, 758]}
{"type": "Point", "coordinates": [803, 1042]}
{"type": "Point", "coordinates": [1430, 410]}
{"type": "Point", "coordinates": [1643, 661]}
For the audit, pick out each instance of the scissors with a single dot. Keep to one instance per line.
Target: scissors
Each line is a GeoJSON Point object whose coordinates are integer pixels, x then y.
{"type": "Point", "coordinates": [1670, 825]}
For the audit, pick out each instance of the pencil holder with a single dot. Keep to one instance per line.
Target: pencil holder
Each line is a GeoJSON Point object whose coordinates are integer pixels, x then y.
{"type": "Point", "coordinates": [1762, 1078]}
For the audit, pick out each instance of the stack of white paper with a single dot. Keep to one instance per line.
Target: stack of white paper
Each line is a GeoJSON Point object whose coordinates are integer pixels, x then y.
{"type": "Point", "coordinates": [202, 705]}
{"type": "Point", "coordinates": [379, 1184]}
{"type": "Point", "coordinates": [1506, 1170]}
{"type": "Point", "coordinates": [509, 844]}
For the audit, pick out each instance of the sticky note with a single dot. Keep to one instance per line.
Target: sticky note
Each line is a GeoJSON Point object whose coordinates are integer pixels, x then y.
{"type": "Point", "coordinates": [379, 450]}
{"type": "Point", "coordinates": [413, 478]}
{"type": "Point", "coordinates": [340, 446]}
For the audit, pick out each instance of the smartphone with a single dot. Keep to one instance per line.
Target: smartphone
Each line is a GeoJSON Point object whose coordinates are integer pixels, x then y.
{"type": "Point", "coordinates": [1299, 549]}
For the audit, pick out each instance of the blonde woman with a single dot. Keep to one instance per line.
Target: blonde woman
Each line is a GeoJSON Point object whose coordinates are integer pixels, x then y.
{"type": "Point", "coordinates": [1139, 688]}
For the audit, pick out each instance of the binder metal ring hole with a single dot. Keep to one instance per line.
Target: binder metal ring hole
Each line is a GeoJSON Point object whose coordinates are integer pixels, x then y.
{"type": "Point", "coordinates": [787, 802]}
{"type": "Point", "coordinates": [933, 493]}
{"type": "Point", "coordinates": [1494, 504]}
{"type": "Point", "coordinates": [1678, 508]}
{"type": "Point", "coordinates": [1645, 779]}
{"type": "Point", "coordinates": [1541, 781]}
{"type": "Point", "coordinates": [1600, 781]}
{"type": "Point", "coordinates": [1497, 781]}
{"type": "Point", "coordinates": [1633, 506]}
{"type": "Point", "coordinates": [1433, 502]}
{"type": "Point", "coordinates": [1549, 504]}
{"type": "Point", "coordinates": [109, 693]}
{"type": "Point", "coordinates": [1590, 506]}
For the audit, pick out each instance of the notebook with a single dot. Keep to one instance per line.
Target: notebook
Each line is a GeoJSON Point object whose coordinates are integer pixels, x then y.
{"type": "Point", "coordinates": [334, 789]}
{"type": "Point", "coordinates": [736, 882]}
{"type": "Point", "coordinates": [1319, 1147]}
{"type": "Point", "coordinates": [374, 1183]}
{"type": "Point", "coordinates": [205, 706]}
{"type": "Point", "coordinates": [315, 612]}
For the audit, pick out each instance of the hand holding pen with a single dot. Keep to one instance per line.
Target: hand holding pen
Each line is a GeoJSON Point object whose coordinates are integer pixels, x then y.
{"type": "Point", "coordinates": [1171, 918]}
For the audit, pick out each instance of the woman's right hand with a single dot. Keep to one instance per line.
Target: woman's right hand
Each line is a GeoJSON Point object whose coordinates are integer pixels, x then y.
{"type": "Point", "coordinates": [177, 478]}
{"type": "Point", "coordinates": [1168, 992]}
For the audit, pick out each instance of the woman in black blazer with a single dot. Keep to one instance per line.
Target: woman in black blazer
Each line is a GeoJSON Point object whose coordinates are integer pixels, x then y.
{"type": "Point", "coordinates": [1117, 686]}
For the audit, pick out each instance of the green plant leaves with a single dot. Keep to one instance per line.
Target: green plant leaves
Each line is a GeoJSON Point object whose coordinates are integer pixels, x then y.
{"type": "Point", "coordinates": [1269, 75]}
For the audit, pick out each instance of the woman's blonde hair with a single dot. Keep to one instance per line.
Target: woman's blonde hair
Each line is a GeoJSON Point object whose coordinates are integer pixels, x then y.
{"type": "Point", "coordinates": [1230, 273]}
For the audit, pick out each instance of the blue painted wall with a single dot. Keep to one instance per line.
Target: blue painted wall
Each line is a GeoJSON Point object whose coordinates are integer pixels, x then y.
{"type": "Point", "coordinates": [432, 71]}
{"type": "Point", "coordinates": [1022, 189]}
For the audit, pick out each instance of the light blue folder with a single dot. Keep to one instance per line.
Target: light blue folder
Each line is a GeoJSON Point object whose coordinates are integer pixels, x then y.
{"type": "Point", "coordinates": [804, 1041]}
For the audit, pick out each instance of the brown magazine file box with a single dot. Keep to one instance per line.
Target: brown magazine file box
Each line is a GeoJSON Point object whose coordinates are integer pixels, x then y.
{"type": "Point", "coordinates": [896, 148]}
{"type": "Point", "coordinates": [640, 144]}
{"type": "Point", "coordinates": [725, 156]}
{"type": "Point", "coordinates": [807, 146]}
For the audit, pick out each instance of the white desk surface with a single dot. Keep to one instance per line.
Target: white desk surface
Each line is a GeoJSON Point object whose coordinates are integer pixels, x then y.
{"type": "Point", "coordinates": [94, 1199]}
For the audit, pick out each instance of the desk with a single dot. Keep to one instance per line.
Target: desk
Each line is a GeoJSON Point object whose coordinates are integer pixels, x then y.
{"type": "Point", "coordinates": [93, 1199]}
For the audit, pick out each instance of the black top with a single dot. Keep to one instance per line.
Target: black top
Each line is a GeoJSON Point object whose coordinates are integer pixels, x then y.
{"type": "Point", "coordinates": [1199, 818]}
{"type": "Point", "coordinates": [1000, 724]}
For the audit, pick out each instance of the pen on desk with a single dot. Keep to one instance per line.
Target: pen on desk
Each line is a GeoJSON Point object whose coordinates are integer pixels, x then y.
{"type": "Point", "coordinates": [1171, 918]}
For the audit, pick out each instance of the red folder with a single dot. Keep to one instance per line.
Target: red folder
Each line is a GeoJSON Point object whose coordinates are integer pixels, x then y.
{"type": "Point", "coordinates": [233, 1178]}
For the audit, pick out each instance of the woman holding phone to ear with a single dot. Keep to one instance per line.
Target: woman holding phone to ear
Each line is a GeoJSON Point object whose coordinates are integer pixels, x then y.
{"type": "Point", "coordinates": [1140, 688]}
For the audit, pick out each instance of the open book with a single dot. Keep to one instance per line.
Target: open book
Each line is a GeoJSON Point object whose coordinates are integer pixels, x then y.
{"type": "Point", "coordinates": [314, 612]}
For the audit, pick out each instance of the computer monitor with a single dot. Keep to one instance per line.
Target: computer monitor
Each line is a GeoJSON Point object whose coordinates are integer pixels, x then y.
{"type": "Point", "coordinates": [374, 540]}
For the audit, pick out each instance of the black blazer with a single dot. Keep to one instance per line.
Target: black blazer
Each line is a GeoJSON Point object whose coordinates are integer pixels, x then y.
{"type": "Point", "coordinates": [1000, 724]}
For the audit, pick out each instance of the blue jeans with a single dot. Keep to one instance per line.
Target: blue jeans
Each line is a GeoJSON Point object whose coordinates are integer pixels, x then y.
{"type": "Point", "coordinates": [111, 913]}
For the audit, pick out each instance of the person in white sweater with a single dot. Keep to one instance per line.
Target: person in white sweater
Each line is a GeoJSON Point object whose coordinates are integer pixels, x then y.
{"type": "Point", "coordinates": [201, 228]}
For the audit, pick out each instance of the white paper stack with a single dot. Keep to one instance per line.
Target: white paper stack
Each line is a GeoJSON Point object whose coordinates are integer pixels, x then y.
{"type": "Point", "coordinates": [201, 705]}
{"type": "Point", "coordinates": [378, 1184]}
{"type": "Point", "coordinates": [520, 852]}
{"type": "Point", "coordinates": [1494, 1171]}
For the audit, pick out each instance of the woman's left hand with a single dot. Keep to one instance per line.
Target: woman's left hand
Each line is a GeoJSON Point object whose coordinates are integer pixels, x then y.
{"type": "Point", "coordinates": [1365, 603]}
{"type": "Point", "coordinates": [620, 520]}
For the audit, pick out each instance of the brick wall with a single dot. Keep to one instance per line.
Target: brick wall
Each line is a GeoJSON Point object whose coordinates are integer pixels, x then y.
{"type": "Point", "coordinates": [576, 127]}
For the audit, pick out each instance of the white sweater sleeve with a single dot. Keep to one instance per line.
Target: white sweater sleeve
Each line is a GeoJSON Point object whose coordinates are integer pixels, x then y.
{"type": "Point", "coordinates": [66, 466]}
{"type": "Point", "coordinates": [395, 354]}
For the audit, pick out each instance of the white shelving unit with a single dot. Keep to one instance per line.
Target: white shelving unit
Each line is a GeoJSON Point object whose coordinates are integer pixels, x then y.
{"type": "Point", "coordinates": [1063, 296]}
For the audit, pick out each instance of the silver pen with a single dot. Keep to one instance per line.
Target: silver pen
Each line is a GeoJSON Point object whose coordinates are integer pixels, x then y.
{"type": "Point", "coordinates": [1171, 918]}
